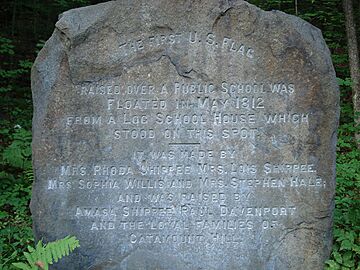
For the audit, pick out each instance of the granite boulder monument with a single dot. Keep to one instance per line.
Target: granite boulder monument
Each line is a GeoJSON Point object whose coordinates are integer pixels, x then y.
{"type": "Point", "coordinates": [185, 135]}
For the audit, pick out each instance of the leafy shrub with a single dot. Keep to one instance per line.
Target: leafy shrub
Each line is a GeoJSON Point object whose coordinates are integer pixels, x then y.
{"type": "Point", "coordinates": [15, 191]}
{"type": "Point", "coordinates": [15, 156]}
{"type": "Point", "coordinates": [346, 249]}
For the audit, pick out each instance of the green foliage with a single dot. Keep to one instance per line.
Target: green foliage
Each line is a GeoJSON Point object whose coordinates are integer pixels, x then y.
{"type": "Point", "coordinates": [43, 255]}
{"type": "Point", "coordinates": [15, 156]}
{"type": "Point", "coordinates": [6, 46]}
{"type": "Point", "coordinates": [15, 221]}
{"type": "Point", "coordinates": [8, 72]}
{"type": "Point", "coordinates": [16, 178]}
{"type": "Point", "coordinates": [344, 82]}
{"type": "Point", "coordinates": [15, 102]}
{"type": "Point", "coordinates": [39, 45]}
{"type": "Point", "coordinates": [18, 153]}
{"type": "Point", "coordinates": [346, 249]}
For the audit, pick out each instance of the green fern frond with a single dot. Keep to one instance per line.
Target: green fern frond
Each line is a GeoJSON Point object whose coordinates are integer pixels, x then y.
{"type": "Point", "coordinates": [47, 254]}
{"type": "Point", "coordinates": [29, 175]}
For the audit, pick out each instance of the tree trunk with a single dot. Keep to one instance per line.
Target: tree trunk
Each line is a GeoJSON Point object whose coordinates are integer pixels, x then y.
{"type": "Point", "coordinates": [353, 60]}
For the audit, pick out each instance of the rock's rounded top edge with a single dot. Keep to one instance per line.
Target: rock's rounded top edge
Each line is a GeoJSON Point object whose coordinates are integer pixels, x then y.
{"type": "Point", "coordinates": [77, 21]}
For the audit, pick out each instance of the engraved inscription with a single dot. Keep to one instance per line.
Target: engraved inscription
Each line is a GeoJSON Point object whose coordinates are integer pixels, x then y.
{"type": "Point", "coordinates": [192, 175]}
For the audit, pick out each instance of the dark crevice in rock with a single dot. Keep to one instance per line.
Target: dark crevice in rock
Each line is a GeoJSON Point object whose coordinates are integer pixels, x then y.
{"type": "Point", "coordinates": [64, 37]}
{"type": "Point", "coordinates": [161, 28]}
{"type": "Point", "coordinates": [222, 14]}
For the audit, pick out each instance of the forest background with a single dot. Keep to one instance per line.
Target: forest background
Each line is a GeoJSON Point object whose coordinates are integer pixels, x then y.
{"type": "Point", "coordinates": [27, 24]}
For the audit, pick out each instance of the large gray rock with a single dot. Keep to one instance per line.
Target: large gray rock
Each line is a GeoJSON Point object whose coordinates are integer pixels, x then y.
{"type": "Point", "coordinates": [185, 135]}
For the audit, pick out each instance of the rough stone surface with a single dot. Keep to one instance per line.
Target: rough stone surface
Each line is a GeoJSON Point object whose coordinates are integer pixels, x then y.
{"type": "Point", "coordinates": [185, 135]}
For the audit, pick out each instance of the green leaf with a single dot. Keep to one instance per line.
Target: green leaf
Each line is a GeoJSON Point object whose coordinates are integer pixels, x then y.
{"type": "Point", "coordinates": [3, 214]}
{"type": "Point", "coordinates": [337, 257]}
{"type": "Point", "coordinates": [332, 265]}
{"type": "Point", "coordinates": [346, 244]}
{"type": "Point", "coordinates": [22, 266]}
